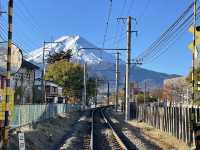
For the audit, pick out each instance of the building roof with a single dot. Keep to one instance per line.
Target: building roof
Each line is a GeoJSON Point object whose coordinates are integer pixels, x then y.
{"type": "Point", "coordinates": [47, 83]}
{"type": "Point", "coordinates": [29, 65]}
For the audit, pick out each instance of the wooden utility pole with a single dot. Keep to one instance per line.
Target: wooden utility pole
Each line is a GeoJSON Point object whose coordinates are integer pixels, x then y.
{"type": "Point", "coordinates": [117, 82]}
{"type": "Point", "coordinates": [8, 74]}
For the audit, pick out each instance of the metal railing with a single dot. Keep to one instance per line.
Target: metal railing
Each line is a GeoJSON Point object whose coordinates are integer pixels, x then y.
{"type": "Point", "coordinates": [31, 113]}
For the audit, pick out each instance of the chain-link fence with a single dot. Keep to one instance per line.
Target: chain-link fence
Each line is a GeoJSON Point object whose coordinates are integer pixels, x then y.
{"type": "Point", "coordinates": [25, 114]}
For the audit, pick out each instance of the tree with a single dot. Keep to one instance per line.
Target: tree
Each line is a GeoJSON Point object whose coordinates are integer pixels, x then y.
{"type": "Point", "coordinates": [67, 75]}
{"type": "Point", "coordinates": [60, 56]}
{"type": "Point", "coordinates": [70, 77]}
{"type": "Point", "coordinates": [196, 79]}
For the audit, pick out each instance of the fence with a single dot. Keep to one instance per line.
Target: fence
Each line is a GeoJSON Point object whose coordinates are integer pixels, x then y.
{"type": "Point", "coordinates": [25, 114]}
{"type": "Point", "coordinates": [171, 119]}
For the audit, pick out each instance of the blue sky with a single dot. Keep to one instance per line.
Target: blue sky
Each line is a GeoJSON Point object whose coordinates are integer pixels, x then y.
{"type": "Point", "coordinates": [39, 20]}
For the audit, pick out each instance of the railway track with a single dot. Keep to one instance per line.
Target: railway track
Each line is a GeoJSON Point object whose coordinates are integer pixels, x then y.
{"type": "Point", "coordinates": [103, 134]}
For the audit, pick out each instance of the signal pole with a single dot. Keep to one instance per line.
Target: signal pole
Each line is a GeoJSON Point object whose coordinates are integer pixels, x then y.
{"type": "Point", "coordinates": [8, 74]}
{"type": "Point", "coordinates": [117, 81]}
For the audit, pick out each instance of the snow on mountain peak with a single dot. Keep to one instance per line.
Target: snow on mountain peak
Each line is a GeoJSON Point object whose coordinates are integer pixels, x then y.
{"type": "Point", "coordinates": [77, 45]}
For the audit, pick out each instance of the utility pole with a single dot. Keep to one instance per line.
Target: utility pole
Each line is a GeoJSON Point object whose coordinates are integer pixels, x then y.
{"type": "Point", "coordinates": [128, 67]}
{"type": "Point", "coordinates": [192, 120]}
{"type": "Point", "coordinates": [194, 45]}
{"type": "Point", "coordinates": [96, 92]}
{"type": "Point", "coordinates": [43, 74]}
{"type": "Point", "coordinates": [108, 93]}
{"type": "Point", "coordinates": [85, 84]}
{"type": "Point", "coordinates": [145, 89]}
{"type": "Point", "coordinates": [117, 81]}
{"type": "Point", "coordinates": [124, 93]}
{"type": "Point", "coordinates": [8, 74]}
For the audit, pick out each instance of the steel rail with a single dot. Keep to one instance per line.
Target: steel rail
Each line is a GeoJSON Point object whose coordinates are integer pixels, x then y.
{"type": "Point", "coordinates": [118, 139]}
{"type": "Point", "coordinates": [108, 122]}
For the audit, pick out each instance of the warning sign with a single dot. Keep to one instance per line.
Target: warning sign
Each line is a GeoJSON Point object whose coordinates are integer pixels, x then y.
{"type": "Point", "coordinates": [3, 104]}
{"type": "Point", "coordinates": [21, 141]}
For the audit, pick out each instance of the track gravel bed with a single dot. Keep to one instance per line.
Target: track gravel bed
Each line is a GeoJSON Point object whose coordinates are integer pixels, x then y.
{"type": "Point", "coordinates": [80, 139]}
{"type": "Point", "coordinates": [133, 134]}
{"type": "Point", "coordinates": [101, 132]}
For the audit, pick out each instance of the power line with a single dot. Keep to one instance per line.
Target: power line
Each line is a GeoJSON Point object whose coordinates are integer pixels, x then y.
{"type": "Point", "coordinates": [164, 35]}
{"type": "Point", "coordinates": [183, 30]}
{"type": "Point", "coordinates": [130, 7]}
{"type": "Point", "coordinates": [145, 10]}
{"type": "Point", "coordinates": [32, 18]}
{"type": "Point", "coordinates": [123, 8]}
{"type": "Point", "coordinates": [167, 35]}
{"type": "Point", "coordinates": [107, 23]}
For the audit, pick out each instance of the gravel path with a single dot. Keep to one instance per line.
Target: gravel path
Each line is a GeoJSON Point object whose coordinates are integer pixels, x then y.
{"type": "Point", "coordinates": [133, 134]}
{"type": "Point", "coordinates": [80, 139]}
{"type": "Point", "coordinates": [101, 141]}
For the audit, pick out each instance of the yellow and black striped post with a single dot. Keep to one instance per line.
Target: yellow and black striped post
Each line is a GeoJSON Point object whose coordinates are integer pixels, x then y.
{"type": "Point", "coordinates": [8, 74]}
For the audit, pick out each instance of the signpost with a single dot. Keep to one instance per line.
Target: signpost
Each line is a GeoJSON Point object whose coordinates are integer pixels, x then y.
{"type": "Point", "coordinates": [21, 141]}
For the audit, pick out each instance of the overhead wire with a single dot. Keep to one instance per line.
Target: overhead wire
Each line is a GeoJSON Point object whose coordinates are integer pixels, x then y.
{"type": "Point", "coordinates": [155, 47]}
{"type": "Point", "coordinates": [168, 38]}
{"type": "Point", "coordinates": [130, 7]}
{"type": "Point", "coordinates": [163, 35]}
{"type": "Point", "coordinates": [107, 23]}
{"type": "Point", "coordinates": [144, 10]}
{"type": "Point", "coordinates": [32, 19]}
{"type": "Point", "coordinates": [3, 34]}
{"type": "Point", "coordinates": [182, 30]}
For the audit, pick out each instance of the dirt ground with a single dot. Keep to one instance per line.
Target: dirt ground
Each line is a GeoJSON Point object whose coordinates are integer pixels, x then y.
{"type": "Point", "coordinates": [47, 135]}
{"type": "Point", "coordinates": [147, 137]}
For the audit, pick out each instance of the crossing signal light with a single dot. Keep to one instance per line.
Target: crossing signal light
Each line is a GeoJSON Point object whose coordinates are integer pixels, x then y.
{"type": "Point", "coordinates": [197, 40]}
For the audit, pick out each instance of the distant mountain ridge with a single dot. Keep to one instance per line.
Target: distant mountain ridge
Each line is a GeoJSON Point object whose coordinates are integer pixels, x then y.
{"type": "Point", "coordinates": [100, 62]}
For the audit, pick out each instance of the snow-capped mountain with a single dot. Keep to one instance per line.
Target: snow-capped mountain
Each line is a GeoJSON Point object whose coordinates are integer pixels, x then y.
{"type": "Point", "coordinates": [76, 44]}
{"type": "Point", "coordinates": [101, 63]}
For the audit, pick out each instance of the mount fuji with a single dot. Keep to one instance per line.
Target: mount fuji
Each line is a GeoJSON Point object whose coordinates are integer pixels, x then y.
{"type": "Point", "coordinates": [100, 63]}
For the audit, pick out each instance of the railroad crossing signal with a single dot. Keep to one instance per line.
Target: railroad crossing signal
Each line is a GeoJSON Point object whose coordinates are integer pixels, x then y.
{"type": "Point", "coordinates": [197, 40]}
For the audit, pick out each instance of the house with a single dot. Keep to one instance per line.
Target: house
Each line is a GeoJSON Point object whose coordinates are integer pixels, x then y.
{"type": "Point", "coordinates": [22, 83]}
{"type": "Point", "coordinates": [176, 90]}
{"type": "Point", "coordinates": [53, 92]}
